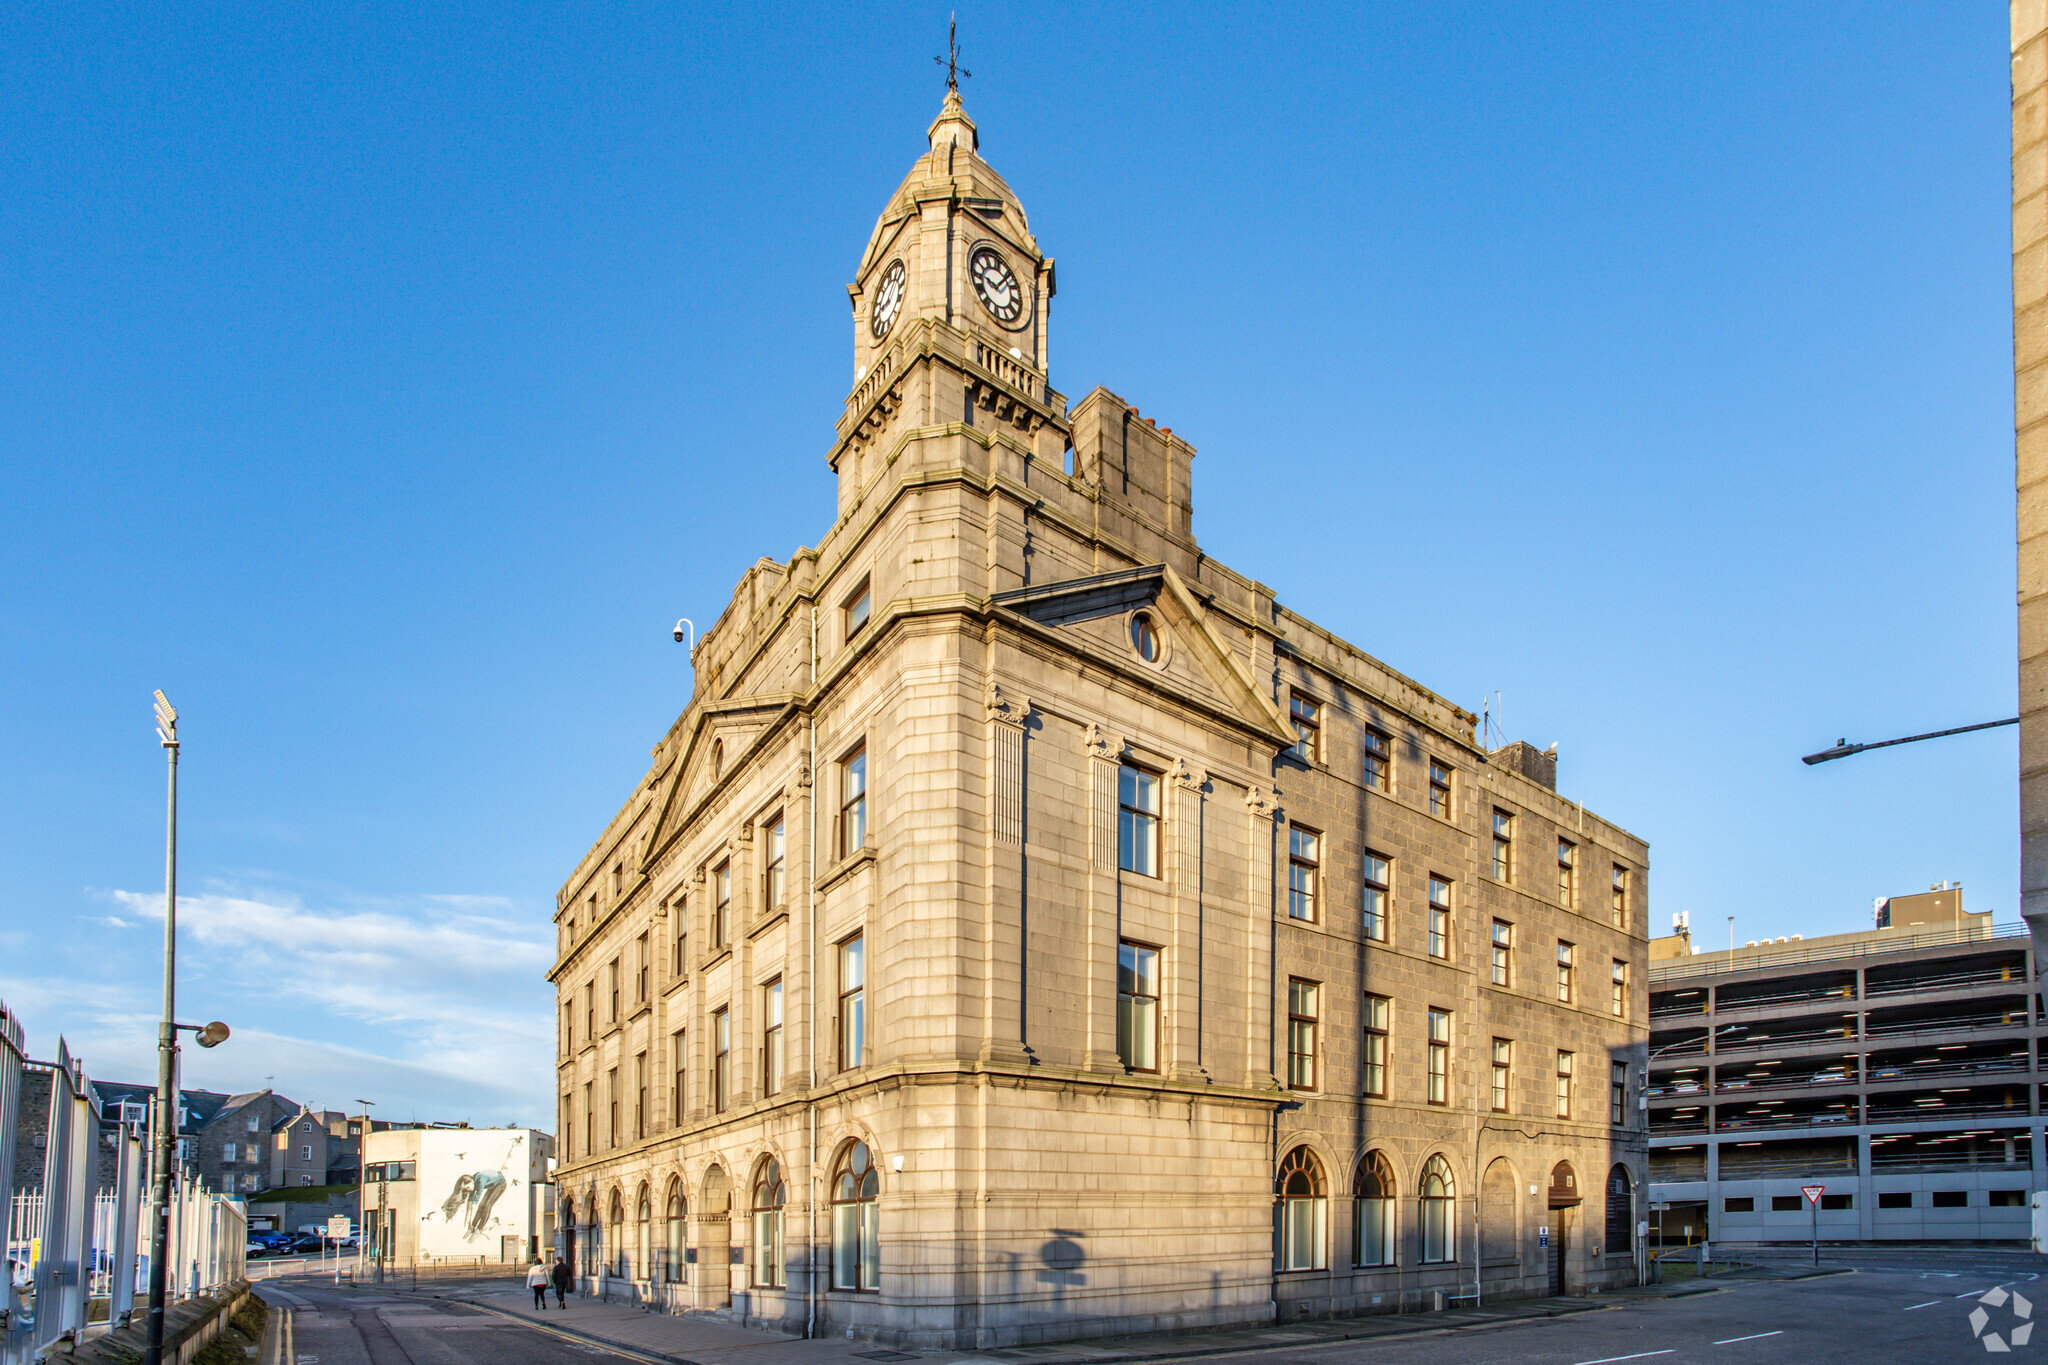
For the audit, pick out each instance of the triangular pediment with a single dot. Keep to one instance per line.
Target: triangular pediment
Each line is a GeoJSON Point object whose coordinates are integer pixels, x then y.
{"type": "Point", "coordinates": [708, 749]}
{"type": "Point", "coordinates": [1097, 608]}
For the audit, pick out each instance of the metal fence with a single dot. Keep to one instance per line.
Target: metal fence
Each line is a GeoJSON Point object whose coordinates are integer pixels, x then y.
{"type": "Point", "coordinates": [73, 1248]}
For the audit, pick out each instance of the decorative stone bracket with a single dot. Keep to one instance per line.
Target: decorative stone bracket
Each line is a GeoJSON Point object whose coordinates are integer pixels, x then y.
{"type": "Point", "coordinates": [1006, 408]}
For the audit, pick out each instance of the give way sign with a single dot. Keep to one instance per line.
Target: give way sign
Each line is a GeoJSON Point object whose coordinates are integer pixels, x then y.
{"type": "Point", "coordinates": [1812, 1192]}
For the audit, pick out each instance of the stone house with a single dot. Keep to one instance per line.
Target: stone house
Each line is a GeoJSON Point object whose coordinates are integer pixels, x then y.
{"type": "Point", "coordinates": [1033, 929]}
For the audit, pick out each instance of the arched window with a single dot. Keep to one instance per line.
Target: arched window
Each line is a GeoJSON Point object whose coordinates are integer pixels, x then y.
{"type": "Point", "coordinates": [615, 1240]}
{"type": "Point", "coordinates": [593, 1237]}
{"type": "Point", "coordinates": [1373, 1212]}
{"type": "Point", "coordinates": [770, 1194]}
{"type": "Point", "coordinates": [856, 1243]}
{"type": "Point", "coordinates": [672, 1259]}
{"type": "Point", "coordinates": [1621, 1212]}
{"type": "Point", "coordinates": [1439, 1228]}
{"type": "Point", "coordinates": [717, 757]}
{"type": "Point", "coordinates": [643, 1244]}
{"type": "Point", "coordinates": [1304, 1211]}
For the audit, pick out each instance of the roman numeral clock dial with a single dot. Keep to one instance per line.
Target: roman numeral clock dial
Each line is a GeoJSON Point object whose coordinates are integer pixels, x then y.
{"type": "Point", "coordinates": [995, 285]}
{"type": "Point", "coordinates": [888, 301]}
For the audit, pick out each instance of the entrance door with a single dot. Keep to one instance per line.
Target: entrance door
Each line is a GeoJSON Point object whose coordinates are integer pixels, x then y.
{"type": "Point", "coordinates": [1560, 1229]}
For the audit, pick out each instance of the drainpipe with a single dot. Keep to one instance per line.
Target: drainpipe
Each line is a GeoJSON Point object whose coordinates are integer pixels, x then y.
{"type": "Point", "coordinates": [1272, 985]}
{"type": "Point", "coordinates": [1478, 1180]}
{"type": "Point", "coordinates": [811, 975]}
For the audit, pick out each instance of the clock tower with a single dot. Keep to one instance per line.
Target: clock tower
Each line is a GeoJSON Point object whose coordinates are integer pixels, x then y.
{"type": "Point", "coordinates": [950, 306]}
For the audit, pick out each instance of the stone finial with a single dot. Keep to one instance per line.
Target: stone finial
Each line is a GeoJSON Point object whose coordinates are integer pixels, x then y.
{"type": "Point", "coordinates": [1186, 775]}
{"type": "Point", "coordinates": [1262, 801]}
{"type": "Point", "coordinates": [952, 128]}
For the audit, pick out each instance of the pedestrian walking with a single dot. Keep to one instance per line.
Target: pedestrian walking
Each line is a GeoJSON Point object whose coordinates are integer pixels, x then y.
{"type": "Point", "coordinates": [561, 1280]}
{"type": "Point", "coordinates": [537, 1281]}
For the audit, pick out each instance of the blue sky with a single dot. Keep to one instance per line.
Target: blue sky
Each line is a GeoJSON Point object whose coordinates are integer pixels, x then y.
{"type": "Point", "coordinates": [381, 382]}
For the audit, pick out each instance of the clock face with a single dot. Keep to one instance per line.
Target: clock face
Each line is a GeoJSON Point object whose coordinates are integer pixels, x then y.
{"type": "Point", "coordinates": [995, 285]}
{"type": "Point", "coordinates": [888, 301]}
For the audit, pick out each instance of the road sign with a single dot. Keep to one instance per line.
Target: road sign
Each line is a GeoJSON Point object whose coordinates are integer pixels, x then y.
{"type": "Point", "coordinates": [337, 1226]}
{"type": "Point", "coordinates": [1660, 1208]}
{"type": "Point", "coordinates": [1812, 1192]}
{"type": "Point", "coordinates": [1543, 1237]}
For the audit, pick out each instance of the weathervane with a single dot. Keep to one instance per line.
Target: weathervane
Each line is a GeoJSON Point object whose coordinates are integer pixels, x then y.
{"type": "Point", "coordinates": [951, 61]}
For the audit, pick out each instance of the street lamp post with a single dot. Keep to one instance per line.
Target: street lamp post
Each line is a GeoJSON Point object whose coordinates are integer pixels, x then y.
{"type": "Point", "coordinates": [211, 1035]}
{"type": "Point", "coordinates": [362, 1189]}
{"type": "Point", "coordinates": [1843, 748]}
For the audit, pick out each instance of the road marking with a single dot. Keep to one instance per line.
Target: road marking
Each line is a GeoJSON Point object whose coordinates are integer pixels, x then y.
{"type": "Point", "coordinates": [1609, 1360]}
{"type": "Point", "coordinates": [1929, 1304]}
{"type": "Point", "coordinates": [1758, 1337]}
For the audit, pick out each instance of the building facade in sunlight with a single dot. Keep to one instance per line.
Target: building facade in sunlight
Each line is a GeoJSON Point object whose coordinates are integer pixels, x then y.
{"type": "Point", "coordinates": [1033, 929]}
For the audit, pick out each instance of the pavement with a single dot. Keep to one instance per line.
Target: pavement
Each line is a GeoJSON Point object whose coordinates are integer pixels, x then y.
{"type": "Point", "coordinates": [1906, 1305]}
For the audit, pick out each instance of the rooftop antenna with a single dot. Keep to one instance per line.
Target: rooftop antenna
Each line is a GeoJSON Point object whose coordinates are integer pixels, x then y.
{"type": "Point", "coordinates": [951, 61]}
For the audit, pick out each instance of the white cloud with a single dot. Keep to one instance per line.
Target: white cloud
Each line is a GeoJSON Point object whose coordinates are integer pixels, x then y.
{"type": "Point", "coordinates": [435, 1008]}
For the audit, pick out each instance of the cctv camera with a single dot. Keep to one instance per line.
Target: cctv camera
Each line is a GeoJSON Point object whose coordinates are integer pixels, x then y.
{"type": "Point", "coordinates": [679, 634]}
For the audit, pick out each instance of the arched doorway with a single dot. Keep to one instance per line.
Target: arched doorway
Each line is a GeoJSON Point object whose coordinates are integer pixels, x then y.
{"type": "Point", "coordinates": [1564, 1198]}
{"type": "Point", "coordinates": [714, 1241]}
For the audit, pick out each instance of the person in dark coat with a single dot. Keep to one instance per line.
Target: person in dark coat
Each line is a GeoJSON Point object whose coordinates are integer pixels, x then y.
{"type": "Point", "coordinates": [560, 1275]}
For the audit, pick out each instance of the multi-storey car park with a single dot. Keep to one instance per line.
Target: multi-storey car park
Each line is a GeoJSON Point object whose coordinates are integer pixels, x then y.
{"type": "Point", "coordinates": [1897, 1067]}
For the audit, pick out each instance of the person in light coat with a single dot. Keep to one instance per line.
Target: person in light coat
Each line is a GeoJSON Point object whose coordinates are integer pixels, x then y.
{"type": "Point", "coordinates": [537, 1281]}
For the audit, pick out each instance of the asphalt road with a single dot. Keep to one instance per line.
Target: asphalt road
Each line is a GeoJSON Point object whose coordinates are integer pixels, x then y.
{"type": "Point", "coordinates": [1913, 1308]}
{"type": "Point", "coordinates": [344, 1327]}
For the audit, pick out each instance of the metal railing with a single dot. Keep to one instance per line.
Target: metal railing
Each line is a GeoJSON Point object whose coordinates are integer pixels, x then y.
{"type": "Point", "coordinates": [1927, 1113]}
{"type": "Point", "coordinates": [1813, 1119]}
{"type": "Point", "coordinates": [1781, 1167]}
{"type": "Point", "coordinates": [1946, 981]}
{"type": "Point", "coordinates": [1906, 1072]}
{"type": "Point", "coordinates": [1932, 1161]}
{"type": "Point", "coordinates": [1707, 962]}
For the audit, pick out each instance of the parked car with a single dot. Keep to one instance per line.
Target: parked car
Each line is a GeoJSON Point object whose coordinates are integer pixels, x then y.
{"type": "Point", "coordinates": [276, 1241]}
{"type": "Point", "coordinates": [256, 1249]}
{"type": "Point", "coordinates": [1836, 1077]}
{"type": "Point", "coordinates": [309, 1241]}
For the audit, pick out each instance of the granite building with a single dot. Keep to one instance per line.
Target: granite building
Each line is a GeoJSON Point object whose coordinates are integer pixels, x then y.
{"type": "Point", "coordinates": [1032, 928]}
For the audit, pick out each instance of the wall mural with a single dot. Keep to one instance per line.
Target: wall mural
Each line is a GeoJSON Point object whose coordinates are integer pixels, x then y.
{"type": "Point", "coordinates": [478, 1169]}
